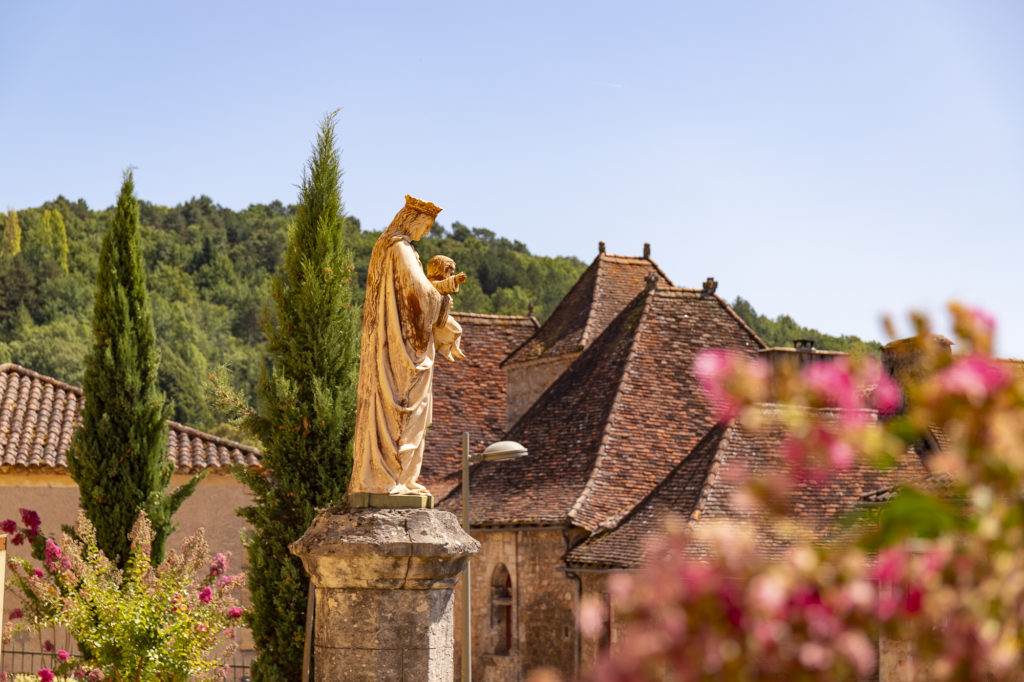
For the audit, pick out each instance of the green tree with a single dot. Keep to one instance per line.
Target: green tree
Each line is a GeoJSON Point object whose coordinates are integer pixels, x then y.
{"type": "Point", "coordinates": [119, 455]}
{"type": "Point", "coordinates": [12, 234]}
{"type": "Point", "coordinates": [783, 330]}
{"type": "Point", "coordinates": [306, 410]}
{"type": "Point", "coordinates": [55, 238]}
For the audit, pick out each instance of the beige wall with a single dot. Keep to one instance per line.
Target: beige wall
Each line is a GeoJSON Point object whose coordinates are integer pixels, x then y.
{"type": "Point", "coordinates": [526, 381]}
{"type": "Point", "coordinates": [55, 498]}
{"type": "Point", "coordinates": [544, 603]}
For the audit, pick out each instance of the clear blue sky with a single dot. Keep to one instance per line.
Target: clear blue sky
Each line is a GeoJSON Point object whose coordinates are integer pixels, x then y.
{"type": "Point", "coordinates": [833, 161]}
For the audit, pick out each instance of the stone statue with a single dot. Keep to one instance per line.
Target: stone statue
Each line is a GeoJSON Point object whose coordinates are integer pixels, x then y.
{"type": "Point", "coordinates": [403, 311]}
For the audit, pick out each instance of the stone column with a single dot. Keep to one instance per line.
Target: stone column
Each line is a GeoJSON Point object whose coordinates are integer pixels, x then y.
{"type": "Point", "coordinates": [384, 580]}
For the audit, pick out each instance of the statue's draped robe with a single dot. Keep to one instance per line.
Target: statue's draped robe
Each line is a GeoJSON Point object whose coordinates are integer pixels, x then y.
{"type": "Point", "coordinates": [395, 371]}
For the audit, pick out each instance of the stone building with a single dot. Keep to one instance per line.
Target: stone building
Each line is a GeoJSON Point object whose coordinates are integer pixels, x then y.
{"type": "Point", "coordinates": [470, 395]}
{"type": "Point", "coordinates": [620, 438]}
{"type": "Point", "coordinates": [38, 415]}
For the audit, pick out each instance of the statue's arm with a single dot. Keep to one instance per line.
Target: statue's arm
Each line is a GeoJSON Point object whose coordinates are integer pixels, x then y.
{"type": "Point", "coordinates": [418, 299]}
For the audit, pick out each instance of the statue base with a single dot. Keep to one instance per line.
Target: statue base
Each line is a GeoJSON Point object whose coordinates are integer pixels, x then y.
{"type": "Point", "coordinates": [383, 501]}
{"type": "Point", "coordinates": [384, 580]}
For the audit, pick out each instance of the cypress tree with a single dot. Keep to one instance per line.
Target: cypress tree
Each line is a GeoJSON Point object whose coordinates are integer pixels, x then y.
{"type": "Point", "coordinates": [306, 410]}
{"type": "Point", "coordinates": [55, 238]}
{"type": "Point", "coordinates": [118, 456]}
{"type": "Point", "coordinates": [12, 234]}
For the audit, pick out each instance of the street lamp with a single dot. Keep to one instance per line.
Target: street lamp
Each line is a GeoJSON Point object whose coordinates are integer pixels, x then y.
{"type": "Point", "coordinates": [495, 452]}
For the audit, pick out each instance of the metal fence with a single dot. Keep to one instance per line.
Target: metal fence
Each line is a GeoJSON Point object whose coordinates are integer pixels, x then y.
{"type": "Point", "coordinates": [26, 658]}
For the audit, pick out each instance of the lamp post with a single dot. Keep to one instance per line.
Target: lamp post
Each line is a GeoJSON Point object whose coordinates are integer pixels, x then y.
{"type": "Point", "coordinates": [495, 452]}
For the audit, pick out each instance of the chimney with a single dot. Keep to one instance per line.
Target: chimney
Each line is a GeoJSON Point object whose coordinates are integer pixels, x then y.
{"type": "Point", "coordinates": [652, 280]}
{"type": "Point", "coordinates": [913, 359]}
{"type": "Point", "coordinates": [786, 363]}
{"type": "Point", "coordinates": [647, 251]}
{"type": "Point", "coordinates": [710, 285]}
{"type": "Point", "coordinates": [600, 247]}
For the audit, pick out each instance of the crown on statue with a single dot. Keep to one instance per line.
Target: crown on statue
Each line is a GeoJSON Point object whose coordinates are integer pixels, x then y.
{"type": "Point", "coordinates": [421, 206]}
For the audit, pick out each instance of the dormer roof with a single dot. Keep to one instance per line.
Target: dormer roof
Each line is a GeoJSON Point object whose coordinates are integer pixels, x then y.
{"type": "Point", "coordinates": [598, 296]}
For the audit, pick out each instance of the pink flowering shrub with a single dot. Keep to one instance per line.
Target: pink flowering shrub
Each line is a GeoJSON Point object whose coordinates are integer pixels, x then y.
{"type": "Point", "coordinates": [938, 569]}
{"type": "Point", "coordinates": [172, 622]}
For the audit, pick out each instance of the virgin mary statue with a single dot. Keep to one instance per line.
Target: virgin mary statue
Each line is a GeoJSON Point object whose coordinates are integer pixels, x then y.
{"type": "Point", "coordinates": [396, 363]}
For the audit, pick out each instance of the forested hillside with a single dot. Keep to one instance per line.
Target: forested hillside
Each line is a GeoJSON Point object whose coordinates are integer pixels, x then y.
{"type": "Point", "coordinates": [783, 330]}
{"type": "Point", "coordinates": [207, 269]}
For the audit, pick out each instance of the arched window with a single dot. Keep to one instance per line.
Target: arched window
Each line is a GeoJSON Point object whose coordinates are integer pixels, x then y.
{"type": "Point", "coordinates": [501, 610]}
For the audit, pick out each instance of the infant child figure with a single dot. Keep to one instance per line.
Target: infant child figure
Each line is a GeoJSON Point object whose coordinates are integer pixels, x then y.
{"type": "Point", "coordinates": [447, 335]}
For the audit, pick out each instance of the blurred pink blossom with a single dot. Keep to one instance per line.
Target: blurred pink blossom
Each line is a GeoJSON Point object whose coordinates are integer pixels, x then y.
{"type": "Point", "coordinates": [974, 377]}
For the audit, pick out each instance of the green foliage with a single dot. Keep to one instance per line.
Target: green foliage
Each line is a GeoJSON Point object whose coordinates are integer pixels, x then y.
{"type": "Point", "coordinates": [208, 273]}
{"type": "Point", "coordinates": [118, 457]}
{"type": "Point", "coordinates": [783, 330]}
{"type": "Point", "coordinates": [306, 410]}
{"type": "Point", "coordinates": [55, 238]}
{"type": "Point", "coordinates": [146, 624]}
{"type": "Point", "coordinates": [12, 234]}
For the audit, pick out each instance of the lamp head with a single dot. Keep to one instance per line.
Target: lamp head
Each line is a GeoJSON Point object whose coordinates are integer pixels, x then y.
{"type": "Point", "coordinates": [503, 450]}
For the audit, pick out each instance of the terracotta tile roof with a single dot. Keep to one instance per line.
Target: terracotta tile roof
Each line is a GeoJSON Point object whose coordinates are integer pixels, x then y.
{"type": "Point", "coordinates": [470, 395]}
{"type": "Point", "coordinates": [932, 483]}
{"type": "Point", "coordinates": [38, 415]}
{"type": "Point", "coordinates": [598, 296]}
{"type": "Point", "coordinates": [701, 488]}
{"type": "Point", "coordinates": [616, 422]}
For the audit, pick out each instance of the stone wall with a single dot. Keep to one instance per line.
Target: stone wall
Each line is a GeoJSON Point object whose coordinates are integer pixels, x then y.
{"type": "Point", "coordinates": [55, 497]}
{"type": "Point", "coordinates": [542, 605]}
{"type": "Point", "coordinates": [526, 381]}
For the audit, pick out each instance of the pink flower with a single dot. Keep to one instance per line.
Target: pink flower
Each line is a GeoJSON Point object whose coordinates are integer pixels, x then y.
{"type": "Point", "coordinates": [815, 656]}
{"type": "Point", "coordinates": [47, 645]}
{"type": "Point", "coordinates": [96, 674]}
{"type": "Point", "coordinates": [15, 614]}
{"type": "Point", "coordinates": [37, 573]}
{"type": "Point", "coordinates": [886, 395]}
{"type": "Point", "coordinates": [18, 539]}
{"type": "Point", "coordinates": [841, 454]}
{"type": "Point", "coordinates": [53, 554]}
{"type": "Point", "coordinates": [728, 378]}
{"type": "Point", "coordinates": [890, 565]}
{"type": "Point", "coordinates": [201, 627]}
{"type": "Point", "coordinates": [9, 526]}
{"type": "Point", "coordinates": [46, 675]}
{"type": "Point", "coordinates": [205, 595]}
{"type": "Point", "coordinates": [833, 383]}
{"type": "Point", "coordinates": [857, 648]}
{"type": "Point", "coordinates": [974, 378]}
{"type": "Point", "coordinates": [235, 612]}
{"type": "Point", "coordinates": [63, 655]}
{"type": "Point", "coordinates": [219, 563]}
{"type": "Point", "coordinates": [227, 580]}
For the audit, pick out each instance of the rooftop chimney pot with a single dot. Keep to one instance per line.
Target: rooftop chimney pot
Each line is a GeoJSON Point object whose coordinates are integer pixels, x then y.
{"type": "Point", "coordinates": [803, 344]}
{"type": "Point", "coordinates": [710, 286]}
{"type": "Point", "coordinates": [600, 247]}
{"type": "Point", "coordinates": [647, 251]}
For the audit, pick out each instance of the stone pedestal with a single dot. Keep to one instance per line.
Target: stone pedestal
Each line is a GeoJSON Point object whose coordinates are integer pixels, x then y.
{"type": "Point", "coordinates": [384, 580]}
